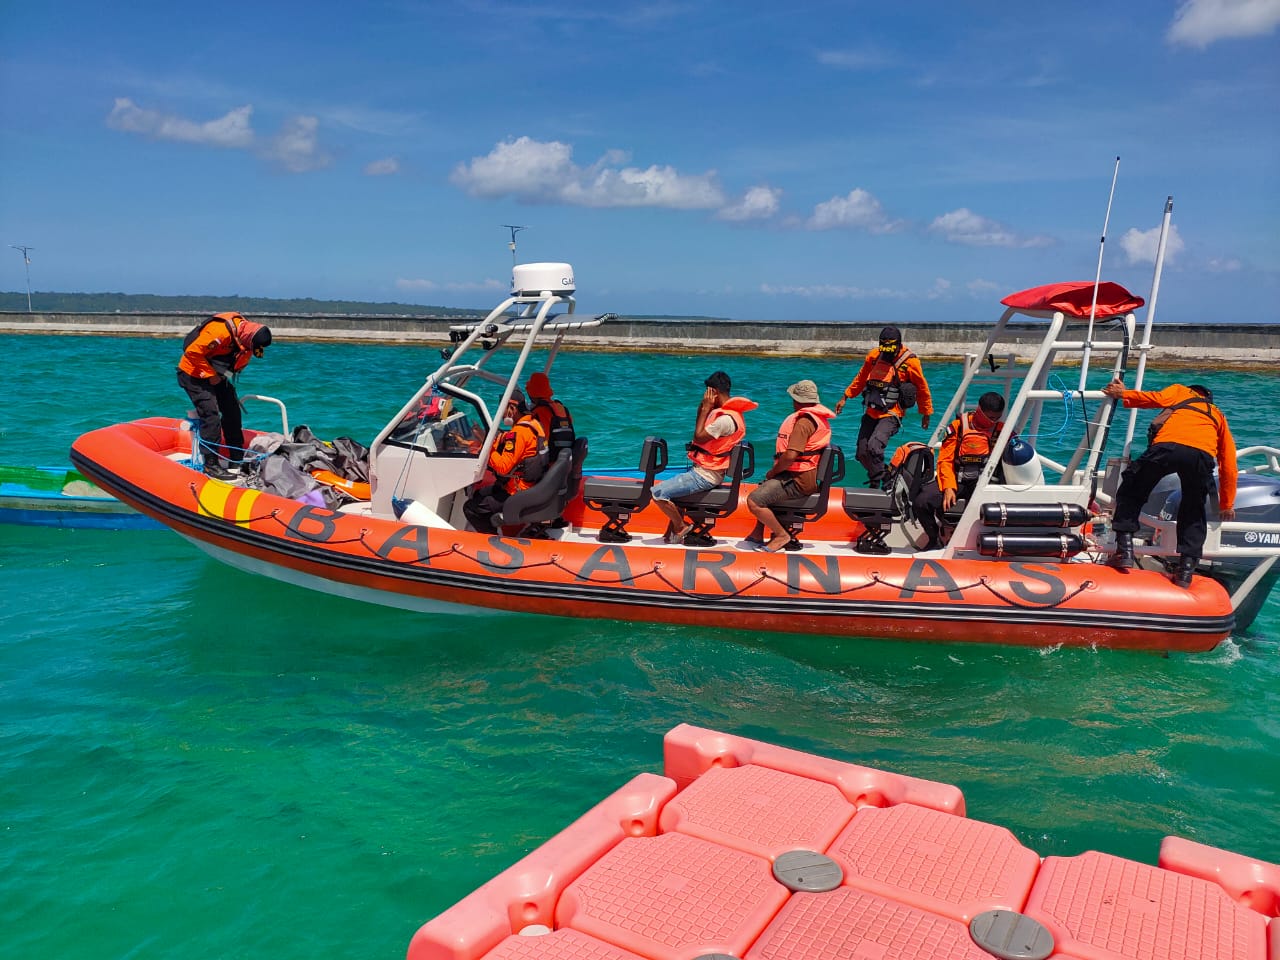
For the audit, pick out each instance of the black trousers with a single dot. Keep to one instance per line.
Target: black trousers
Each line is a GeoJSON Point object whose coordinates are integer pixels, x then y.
{"type": "Point", "coordinates": [927, 505]}
{"type": "Point", "coordinates": [928, 508]}
{"type": "Point", "coordinates": [218, 408]}
{"type": "Point", "coordinates": [483, 504]}
{"type": "Point", "coordinates": [874, 435]}
{"type": "Point", "coordinates": [1195, 472]}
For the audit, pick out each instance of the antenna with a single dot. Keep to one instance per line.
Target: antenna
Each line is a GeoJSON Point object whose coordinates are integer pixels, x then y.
{"type": "Point", "coordinates": [26, 260]}
{"type": "Point", "coordinates": [514, 230]}
{"type": "Point", "coordinates": [1097, 280]}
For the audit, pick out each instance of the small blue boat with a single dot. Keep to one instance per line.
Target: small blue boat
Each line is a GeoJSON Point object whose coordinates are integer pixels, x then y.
{"type": "Point", "coordinates": [62, 497]}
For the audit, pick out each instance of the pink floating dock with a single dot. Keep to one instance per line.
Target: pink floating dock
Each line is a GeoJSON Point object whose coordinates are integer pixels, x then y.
{"type": "Point", "coordinates": [751, 851]}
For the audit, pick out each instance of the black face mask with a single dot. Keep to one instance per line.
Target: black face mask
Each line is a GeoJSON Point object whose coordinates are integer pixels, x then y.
{"type": "Point", "coordinates": [889, 349]}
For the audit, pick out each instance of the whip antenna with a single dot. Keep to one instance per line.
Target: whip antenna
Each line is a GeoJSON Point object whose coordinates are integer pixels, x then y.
{"type": "Point", "coordinates": [1097, 279]}
{"type": "Point", "coordinates": [1151, 313]}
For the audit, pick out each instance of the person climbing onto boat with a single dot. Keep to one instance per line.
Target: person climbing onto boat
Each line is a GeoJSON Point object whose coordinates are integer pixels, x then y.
{"type": "Point", "coordinates": [890, 382]}
{"type": "Point", "coordinates": [801, 439]}
{"type": "Point", "coordinates": [213, 354]}
{"type": "Point", "coordinates": [551, 414]}
{"type": "Point", "coordinates": [1185, 439]}
{"type": "Point", "coordinates": [718, 426]}
{"type": "Point", "coordinates": [966, 448]}
{"type": "Point", "coordinates": [518, 458]}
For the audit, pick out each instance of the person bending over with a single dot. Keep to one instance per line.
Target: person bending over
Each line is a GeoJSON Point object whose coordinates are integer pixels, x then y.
{"type": "Point", "coordinates": [1185, 439]}
{"type": "Point", "coordinates": [213, 353]}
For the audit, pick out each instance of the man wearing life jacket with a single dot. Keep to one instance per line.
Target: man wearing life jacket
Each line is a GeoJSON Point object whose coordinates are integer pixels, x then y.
{"type": "Point", "coordinates": [890, 382]}
{"type": "Point", "coordinates": [801, 439]}
{"type": "Point", "coordinates": [213, 354]}
{"type": "Point", "coordinates": [965, 451]}
{"type": "Point", "coordinates": [551, 414]}
{"type": "Point", "coordinates": [718, 426]}
{"type": "Point", "coordinates": [518, 458]}
{"type": "Point", "coordinates": [1186, 440]}
{"type": "Point", "coordinates": [557, 425]}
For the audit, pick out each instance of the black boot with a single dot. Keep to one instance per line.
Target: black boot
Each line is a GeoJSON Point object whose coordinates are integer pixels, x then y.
{"type": "Point", "coordinates": [1186, 568]}
{"type": "Point", "coordinates": [1123, 559]}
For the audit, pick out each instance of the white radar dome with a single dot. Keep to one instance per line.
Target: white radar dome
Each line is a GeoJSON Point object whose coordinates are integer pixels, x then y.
{"type": "Point", "coordinates": [532, 279]}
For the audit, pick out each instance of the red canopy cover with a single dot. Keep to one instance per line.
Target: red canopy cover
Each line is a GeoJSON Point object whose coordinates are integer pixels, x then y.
{"type": "Point", "coordinates": [1075, 297]}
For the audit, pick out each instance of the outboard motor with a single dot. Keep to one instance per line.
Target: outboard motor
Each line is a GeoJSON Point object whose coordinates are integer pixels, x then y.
{"type": "Point", "coordinates": [1257, 501]}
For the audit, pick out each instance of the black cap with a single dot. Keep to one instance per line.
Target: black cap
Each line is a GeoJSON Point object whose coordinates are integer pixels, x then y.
{"type": "Point", "coordinates": [891, 334]}
{"type": "Point", "coordinates": [262, 338]}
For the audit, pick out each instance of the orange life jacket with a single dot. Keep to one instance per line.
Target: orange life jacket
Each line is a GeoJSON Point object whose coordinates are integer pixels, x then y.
{"type": "Point", "coordinates": [356, 488]}
{"type": "Point", "coordinates": [556, 422]}
{"type": "Point", "coordinates": [218, 346]}
{"type": "Point", "coordinates": [818, 441]}
{"type": "Point", "coordinates": [884, 390]}
{"type": "Point", "coordinates": [714, 454]}
{"type": "Point", "coordinates": [973, 449]}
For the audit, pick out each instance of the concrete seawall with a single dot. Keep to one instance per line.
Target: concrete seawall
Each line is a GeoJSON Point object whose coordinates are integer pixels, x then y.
{"type": "Point", "coordinates": [1239, 346]}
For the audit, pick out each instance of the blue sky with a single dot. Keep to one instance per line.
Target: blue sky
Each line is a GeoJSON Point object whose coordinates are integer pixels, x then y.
{"type": "Point", "coordinates": [828, 161]}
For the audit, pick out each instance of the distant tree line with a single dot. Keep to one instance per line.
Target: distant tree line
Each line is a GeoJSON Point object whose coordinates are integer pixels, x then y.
{"type": "Point", "coordinates": [42, 302]}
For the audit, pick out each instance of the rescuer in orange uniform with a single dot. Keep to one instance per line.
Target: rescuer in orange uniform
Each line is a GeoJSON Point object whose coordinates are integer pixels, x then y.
{"type": "Point", "coordinates": [213, 353]}
{"type": "Point", "coordinates": [517, 460]}
{"type": "Point", "coordinates": [1185, 439]}
{"type": "Point", "coordinates": [552, 415]}
{"type": "Point", "coordinates": [890, 382]}
{"type": "Point", "coordinates": [965, 451]}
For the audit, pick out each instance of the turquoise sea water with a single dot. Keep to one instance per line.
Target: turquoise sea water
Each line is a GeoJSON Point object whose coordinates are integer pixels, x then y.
{"type": "Point", "coordinates": [197, 762]}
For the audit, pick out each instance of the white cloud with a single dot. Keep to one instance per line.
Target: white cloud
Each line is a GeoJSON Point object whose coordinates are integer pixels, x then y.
{"type": "Point", "coordinates": [1199, 23]}
{"type": "Point", "coordinates": [832, 291]}
{"type": "Point", "coordinates": [296, 147]}
{"type": "Point", "coordinates": [538, 172]}
{"type": "Point", "coordinates": [862, 59]}
{"type": "Point", "coordinates": [231, 130]}
{"type": "Point", "coordinates": [382, 168]}
{"type": "Point", "coordinates": [974, 230]}
{"type": "Point", "coordinates": [1219, 265]}
{"type": "Point", "coordinates": [859, 210]}
{"type": "Point", "coordinates": [758, 203]}
{"type": "Point", "coordinates": [1141, 245]}
{"type": "Point", "coordinates": [419, 285]}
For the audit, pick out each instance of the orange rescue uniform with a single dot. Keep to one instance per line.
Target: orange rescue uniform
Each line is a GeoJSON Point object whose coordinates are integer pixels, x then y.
{"type": "Point", "coordinates": [1199, 424]}
{"type": "Point", "coordinates": [877, 370]}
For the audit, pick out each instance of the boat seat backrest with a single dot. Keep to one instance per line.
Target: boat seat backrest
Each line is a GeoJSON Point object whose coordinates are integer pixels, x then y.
{"type": "Point", "coordinates": [578, 454]}
{"type": "Point", "coordinates": [614, 495]}
{"type": "Point", "coordinates": [881, 507]}
{"type": "Point", "coordinates": [720, 501]}
{"type": "Point", "coordinates": [795, 513]}
{"type": "Point", "coordinates": [619, 497]}
{"type": "Point", "coordinates": [542, 502]}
